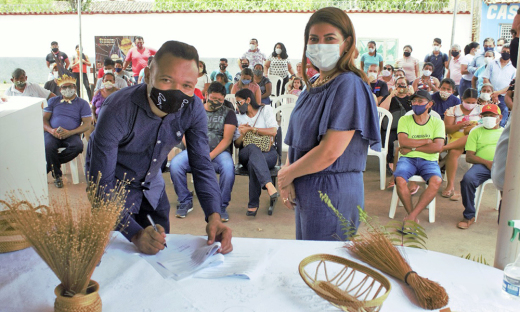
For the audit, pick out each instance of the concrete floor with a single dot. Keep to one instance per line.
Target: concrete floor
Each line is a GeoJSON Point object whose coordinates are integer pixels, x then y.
{"type": "Point", "coordinates": [443, 235]}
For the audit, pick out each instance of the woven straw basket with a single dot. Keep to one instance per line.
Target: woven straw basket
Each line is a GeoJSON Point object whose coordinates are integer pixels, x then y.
{"type": "Point", "coordinates": [10, 238]}
{"type": "Point", "coordinates": [90, 302]}
{"type": "Point", "coordinates": [345, 284]}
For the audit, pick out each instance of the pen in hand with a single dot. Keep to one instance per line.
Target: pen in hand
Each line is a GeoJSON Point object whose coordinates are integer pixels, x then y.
{"type": "Point", "coordinates": [154, 226]}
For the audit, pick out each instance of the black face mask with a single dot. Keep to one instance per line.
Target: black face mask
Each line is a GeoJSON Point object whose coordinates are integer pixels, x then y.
{"type": "Point", "coordinates": [506, 56]}
{"type": "Point", "coordinates": [454, 53]}
{"type": "Point", "coordinates": [243, 108]}
{"type": "Point", "coordinates": [407, 54]}
{"type": "Point", "coordinates": [245, 65]}
{"type": "Point", "coordinates": [222, 66]}
{"type": "Point", "coordinates": [170, 101]}
{"type": "Point", "coordinates": [214, 105]}
{"type": "Point", "coordinates": [54, 50]}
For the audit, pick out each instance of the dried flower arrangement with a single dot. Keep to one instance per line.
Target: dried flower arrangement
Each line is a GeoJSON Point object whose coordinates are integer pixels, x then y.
{"type": "Point", "coordinates": [375, 248]}
{"type": "Point", "coordinates": [70, 236]}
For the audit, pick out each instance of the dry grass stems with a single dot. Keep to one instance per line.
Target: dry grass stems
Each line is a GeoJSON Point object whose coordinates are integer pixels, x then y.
{"type": "Point", "coordinates": [70, 236]}
{"type": "Point", "coordinates": [375, 248]}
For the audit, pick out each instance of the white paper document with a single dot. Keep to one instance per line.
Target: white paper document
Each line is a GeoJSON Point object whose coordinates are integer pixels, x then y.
{"type": "Point", "coordinates": [183, 257]}
{"type": "Point", "coordinates": [190, 255]}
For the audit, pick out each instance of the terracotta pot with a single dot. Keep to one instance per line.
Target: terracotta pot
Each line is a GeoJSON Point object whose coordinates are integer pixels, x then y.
{"type": "Point", "coordinates": [89, 302]}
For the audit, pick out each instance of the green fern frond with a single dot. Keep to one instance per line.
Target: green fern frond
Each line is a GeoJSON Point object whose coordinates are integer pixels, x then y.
{"type": "Point", "coordinates": [480, 259]}
{"type": "Point", "coordinates": [348, 228]}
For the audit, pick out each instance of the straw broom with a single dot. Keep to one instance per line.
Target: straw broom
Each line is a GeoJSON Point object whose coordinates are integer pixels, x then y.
{"type": "Point", "coordinates": [376, 249]}
{"type": "Point", "coordinates": [70, 237]}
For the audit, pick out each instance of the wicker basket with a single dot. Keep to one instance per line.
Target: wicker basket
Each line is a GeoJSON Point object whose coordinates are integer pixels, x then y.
{"type": "Point", "coordinates": [10, 238]}
{"type": "Point", "coordinates": [345, 284]}
{"type": "Point", "coordinates": [89, 302]}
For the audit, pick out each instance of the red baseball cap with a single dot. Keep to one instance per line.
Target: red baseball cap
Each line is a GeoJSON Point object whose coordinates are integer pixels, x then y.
{"type": "Point", "coordinates": [491, 108]}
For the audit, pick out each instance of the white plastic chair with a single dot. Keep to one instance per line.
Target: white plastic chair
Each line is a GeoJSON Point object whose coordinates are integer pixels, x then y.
{"type": "Point", "coordinates": [480, 191]}
{"type": "Point", "coordinates": [395, 200]}
{"type": "Point", "coordinates": [283, 99]}
{"type": "Point", "coordinates": [384, 150]}
{"type": "Point", "coordinates": [231, 98]}
{"type": "Point", "coordinates": [74, 163]}
{"type": "Point", "coordinates": [478, 196]}
{"type": "Point", "coordinates": [73, 166]}
{"type": "Point", "coordinates": [276, 82]}
{"type": "Point", "coordinates": [415, 178]}
{"type": "Point", "coordinates": [285, 115]}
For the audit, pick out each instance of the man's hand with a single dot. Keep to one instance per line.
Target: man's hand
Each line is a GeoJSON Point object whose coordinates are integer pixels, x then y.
{"type": "Point", "coordinates": [217, 231]}
{"type": "Point", "coordinates": [55, 133]}
{"type": "Point", "coordinates": [64, 133]}
{"type": "Point", "coordinates": [404, 150]}
{"type": "Point", "coordinates": [148, 241]}
{"type": "Point", "coordinates": [489, 164]}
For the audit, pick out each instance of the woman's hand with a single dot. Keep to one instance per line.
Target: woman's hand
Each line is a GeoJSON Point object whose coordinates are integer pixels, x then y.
{"type": "Point", "coordinates": [243, 129]}
{"type": "Point", "coordinates": [284, 177]}
{"type": "Point", "coordinates": [288, 196]}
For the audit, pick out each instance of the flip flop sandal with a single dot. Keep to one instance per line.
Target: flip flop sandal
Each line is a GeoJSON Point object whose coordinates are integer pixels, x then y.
{"type": "Point", "coordinates": [448, 194]}
{"type": "Point", "coordinates": [455, 197]}
{"type": "Point", "coordinates": [415, 191]}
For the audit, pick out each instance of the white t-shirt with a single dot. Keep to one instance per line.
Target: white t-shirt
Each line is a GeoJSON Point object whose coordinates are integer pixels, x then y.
{"type": "Point", "coordinates": [466, 60]}
{"type": "Point", "coordinates": [201, 81]}
{"type": "Point", "coordinates": [31, 89]}
{"type": "Point", "coordinates": [266, 118]}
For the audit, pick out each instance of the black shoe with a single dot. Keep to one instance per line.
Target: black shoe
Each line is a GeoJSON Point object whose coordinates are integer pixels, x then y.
{"type": "Point", "coordinates": [58, 182]}
{"type": "Point", "coordinates": [252, 213]}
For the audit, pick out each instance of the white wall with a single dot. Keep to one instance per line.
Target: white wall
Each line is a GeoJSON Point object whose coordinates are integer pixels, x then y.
{"type": "Point", "coordinates": [218, 35]}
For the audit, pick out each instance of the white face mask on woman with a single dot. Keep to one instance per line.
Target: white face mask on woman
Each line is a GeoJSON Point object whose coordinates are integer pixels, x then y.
{"type": "Point", "coordinates": [486, 97]}
{"type": "Point", "coordinates": [324, 56]}
{"type": "Point", "coordinates": [278, 51]}
{"type": "Point", "coordinates": [469, 106]}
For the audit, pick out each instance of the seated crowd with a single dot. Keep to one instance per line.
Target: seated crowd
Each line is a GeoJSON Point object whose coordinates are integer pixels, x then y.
{"type": "Point", "coordinates": [446, 108]}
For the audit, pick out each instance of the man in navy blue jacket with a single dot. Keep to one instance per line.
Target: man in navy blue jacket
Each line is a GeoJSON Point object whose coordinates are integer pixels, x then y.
{"type": "Point", "coordinates": [137, 128]}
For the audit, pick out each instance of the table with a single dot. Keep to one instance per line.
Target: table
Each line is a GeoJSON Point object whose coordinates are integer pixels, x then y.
{"type": "Point", "coordinates": [22, 148]}
{"type": "Point", "coordinates": [129, 283]}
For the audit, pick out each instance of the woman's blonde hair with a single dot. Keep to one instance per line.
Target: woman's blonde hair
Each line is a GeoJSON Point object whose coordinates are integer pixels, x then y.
{"type": "Point", "coordinates": [339, 19]}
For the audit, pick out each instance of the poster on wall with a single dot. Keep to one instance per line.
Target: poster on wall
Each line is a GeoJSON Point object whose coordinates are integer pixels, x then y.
{"type": "Point", "coordinates": [114, 47]}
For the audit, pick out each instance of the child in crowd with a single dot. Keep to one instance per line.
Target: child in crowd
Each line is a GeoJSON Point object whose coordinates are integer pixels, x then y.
{"type": "Point", "coordinates": [294, 86]}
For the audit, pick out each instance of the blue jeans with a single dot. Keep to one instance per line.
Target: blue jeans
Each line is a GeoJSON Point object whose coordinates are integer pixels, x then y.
{"type": "Point", "coordinates": [464, 84]}
{"type": "Point", "coordinates": [223, 165]}
{"type": "Point", "coordinates": [505, 111]}
{"type": "Point", "coordinates": [474, 177]}
{"type": "Point", "coordinates": [408, 167]}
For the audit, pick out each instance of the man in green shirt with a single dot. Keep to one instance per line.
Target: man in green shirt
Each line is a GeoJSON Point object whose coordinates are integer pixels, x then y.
{"type": "Point", "coordinates": [421, 138]}
{"type": "Point", "coordinates": [480, 151]}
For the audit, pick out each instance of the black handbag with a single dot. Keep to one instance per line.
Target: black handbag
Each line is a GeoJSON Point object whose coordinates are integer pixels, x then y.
{"type": "Point", "coordinates": [397, 114]}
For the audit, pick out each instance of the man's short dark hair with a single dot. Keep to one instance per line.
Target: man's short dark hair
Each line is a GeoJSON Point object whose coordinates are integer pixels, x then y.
{"type": "Point", "coordinates": [150, 59]}
{"type": "Point", "coordinates": [54, 43]}
{"type": "Point", "coordinates": [17, 73]}
{"type": "Point", "coordinates": [119, 62]}
{"type": "Point", "coordinates": [223, 60]}
{"type": "Point", "coordinates": [448, 81]}
{"type": "Point", "coordinates": [488, 39]}
{"type": "Point", "coordinates": [109, 62]}
{"type": "Point", "coordinates": [178, 49]}
{"type": "Point", "coordinates": [503, 39]}
{"type": "Point", "coordinates": [438, 40]}
{"type": "Point", "coordinates": [216, 87]}
{"type": "Point", "coordinates": [507, 46]}
{"type": "Point", "coordinates": [428, 64]}
{"type": "Point", "coordinates": [138, 38]}
{"type": "Point", "coordinates": [255, 40]}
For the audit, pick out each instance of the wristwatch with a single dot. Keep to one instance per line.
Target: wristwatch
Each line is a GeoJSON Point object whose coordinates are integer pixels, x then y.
{"type": "Point", "coordinates": [413, 148]}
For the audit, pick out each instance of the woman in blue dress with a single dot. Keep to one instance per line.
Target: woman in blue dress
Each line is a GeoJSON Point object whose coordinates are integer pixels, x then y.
{"type": "Point", "coordinates": [333, 123]}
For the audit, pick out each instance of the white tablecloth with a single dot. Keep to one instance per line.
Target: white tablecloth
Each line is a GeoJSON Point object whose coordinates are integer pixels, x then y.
{"type": "Point", "coordinates": [129, 283]}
